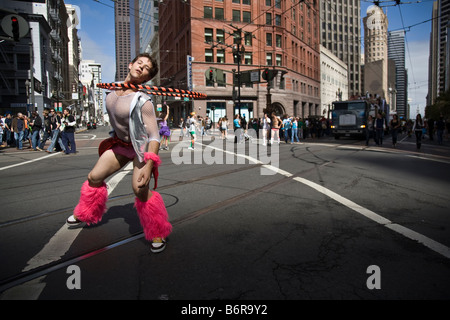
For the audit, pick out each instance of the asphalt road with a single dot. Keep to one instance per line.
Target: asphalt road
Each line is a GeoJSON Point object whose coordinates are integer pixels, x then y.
{"type": "Point", "coordinates": [323, 219]}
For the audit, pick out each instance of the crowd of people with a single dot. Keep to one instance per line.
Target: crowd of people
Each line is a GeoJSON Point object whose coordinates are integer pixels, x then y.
{"type": "Point", "coordinates": [57, 127]}
{"type": "Point", "coordinates": [421, 128]}
{"type": "Point", "coordinates": [272, 127]}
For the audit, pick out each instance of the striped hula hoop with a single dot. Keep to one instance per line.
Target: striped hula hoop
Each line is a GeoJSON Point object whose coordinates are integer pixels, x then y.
{"type": "Point", "coordinates": [160, 91]}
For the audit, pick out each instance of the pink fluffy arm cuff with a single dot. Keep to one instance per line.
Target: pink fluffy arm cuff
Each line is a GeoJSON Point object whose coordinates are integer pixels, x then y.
{"type": "Point", "coordinates": [154, 157]}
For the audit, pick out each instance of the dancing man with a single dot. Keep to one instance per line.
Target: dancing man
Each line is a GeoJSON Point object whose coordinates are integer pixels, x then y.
{"type": "Point", "coordinates": [136, 138]}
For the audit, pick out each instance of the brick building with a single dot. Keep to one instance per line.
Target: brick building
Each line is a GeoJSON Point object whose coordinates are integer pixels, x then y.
{"type": "Point", "coordinates": [276, 34]}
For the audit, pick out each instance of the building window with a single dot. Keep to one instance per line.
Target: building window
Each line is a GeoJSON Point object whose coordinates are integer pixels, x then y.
{"type": "Point", "coordinates": [220, 56]}
{"type": "Point", "coordinates": [246, 16]}
{"type": "Point", "coordinates": [278, 20]}
{"type": "Point", "coordinates": [268, 59]}
{"type": "Point", "coordinates": [248, 58]}
{"type": "Point", "coordinates": [278, 40]}
{"type": "Point", "coordinates": [207, 12]}
{"type": "Point", "coordinates": [220, 35]}
{"type": "Point", "coordinates": [278, 60]}
{"type": "Point", "coordinates": [209, 55]}
{"type": "Point", "coordinates": [268, 39]}
{"type": "Point", "coordinates": [247, 38]}
{"type": "Point", "coordinates": [218, 13]}
{"type": "Point", "coordinates": [236, 15]}
{"type": "Point", "coordinates": [268, 18]}
{"type": "Point", "coordinates": [208, 35]}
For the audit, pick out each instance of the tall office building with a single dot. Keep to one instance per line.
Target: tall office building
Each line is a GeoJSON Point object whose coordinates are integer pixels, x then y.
{"type": "Point", "coordinates": [126, 32]}
{"type": "Point", "coordinates": [340, 33]}
{"type": "Point", "coordinates": [439, 71]}
{"type": "Point", "coordinates": [396, 52]}
{"type": "Point", "coordinates": [148, 30]}
{"type": "Point", "coordinates": [433, 61]}
{"type": "Point", "coordinates": [444, 43]}
{"type": "Point", "coordinates": [376, 53]}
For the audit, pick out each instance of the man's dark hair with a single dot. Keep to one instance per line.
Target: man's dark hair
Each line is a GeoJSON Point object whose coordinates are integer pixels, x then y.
{"type": "Point", "coordinates": [154, 70]}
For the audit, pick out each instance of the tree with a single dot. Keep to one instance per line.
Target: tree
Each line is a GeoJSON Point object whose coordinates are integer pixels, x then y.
{"type": "Point", "coordinates": [440, 107]}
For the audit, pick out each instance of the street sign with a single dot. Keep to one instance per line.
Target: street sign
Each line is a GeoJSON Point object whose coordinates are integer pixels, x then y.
{"type": "Point", "coordinates": [15, 26]}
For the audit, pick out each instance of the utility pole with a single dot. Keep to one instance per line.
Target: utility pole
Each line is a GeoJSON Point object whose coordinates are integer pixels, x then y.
{"type": "Point", "coordinates": [238, 51]}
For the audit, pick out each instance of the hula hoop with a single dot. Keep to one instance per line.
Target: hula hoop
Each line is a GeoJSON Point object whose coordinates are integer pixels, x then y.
{"type": "Point", "coordinates": [160, 91]}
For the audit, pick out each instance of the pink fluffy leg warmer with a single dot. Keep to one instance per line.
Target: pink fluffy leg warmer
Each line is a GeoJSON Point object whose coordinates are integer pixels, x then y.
{"type": "Point", "coordinates": [154, 217]}
{"type": "Point", "coordinates": [92, 203]}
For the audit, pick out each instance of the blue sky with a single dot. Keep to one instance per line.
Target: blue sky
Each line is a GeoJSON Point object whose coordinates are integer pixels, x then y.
{"type": "Point", "coordinates": [97, 35]}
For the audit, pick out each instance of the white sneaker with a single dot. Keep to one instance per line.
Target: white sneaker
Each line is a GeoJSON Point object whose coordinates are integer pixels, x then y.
{"type": "Point", "coordinates": [72, 221]}
{"type": "Point", "coordinates": [158, 245]}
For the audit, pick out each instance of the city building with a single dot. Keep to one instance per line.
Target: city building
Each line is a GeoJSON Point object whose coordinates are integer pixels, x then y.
{"type": "Point", "coordinates": [124, 16]}
{"type": "Point", "coordinates": [90, 75]}
{"type": "Point", "coordinates": [148, 31]}
{"type": "Point", "coordinates": [340, 33]}
{"type": "Point", "coordinates": [396, 52]}
{"type": "Point", "coordinates": [439, 62]}
{"type": "Point", "coordinates": [334, 79]}
{"type": "Point", "coordinates": [42, 52]}
{"type": "Point", "coordinates": [279, 35]}
{"type": "Point", "coordinates": [376, 53]}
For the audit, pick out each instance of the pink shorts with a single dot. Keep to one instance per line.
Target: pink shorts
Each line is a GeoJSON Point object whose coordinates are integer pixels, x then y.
{"type": "Point", "coordinates": [124, 151]}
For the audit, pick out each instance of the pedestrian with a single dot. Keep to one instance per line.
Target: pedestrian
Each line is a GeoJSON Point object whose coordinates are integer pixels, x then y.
{"type": "Point", "coordinates": [181, 126]}
{"type": "Point", "coordinates": [47, 128]}
{"type": "Point", "coordinates": [186, 125]}
{"type": "Point", "coordinates": [237, 129]}
{"type": "Point", "coordinates": [7, 129]}
{"type": "Point", "coordinates": [276, 125]}
{"type": "Point", "coordinates": [26, 130]}
{"type": "Point", "coordinates": [136, 138]}
{"type": "Point", "coordinates": [418, 130]}
{"type": "Point", "coordinates": [164, 130]}
{"type": "Point", "coordinates": [36, 126]}
{"type": "Point", "coordinates": [294, 122]}
{"type": "Point", "coordinates": [223, 126]}
{"type": "Point", "coordinates": [208, 124]}
{"type": "Point", "coordinates": [55, 123]}
{"type": "Point", "coordinates": [379, 128]}
{"type": "Point", "coordinates": [68, 135]}
{"type": "Point", "coordinates": [2, 126]}
{"type": "Point", "coordinates": [286, 128]}
{"type": "Point", "coordinates": [266, 126]}
{"type": "Point", "coordinates": [369, 129]}
{"type": "Point", "coordinates": [395, 127]}
{"type": "Point", "coordinates": [192, 129]}
{"type": "Point", "coordinates": [440, 127]}
{"type": "Point", "coordinates": [18, 126]}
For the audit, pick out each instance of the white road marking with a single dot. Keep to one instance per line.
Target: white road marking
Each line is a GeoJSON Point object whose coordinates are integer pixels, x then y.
{"type": "Point", "coordinates": [60, 243]}
{"type": "Point", "coordinates": [430, 159]}
{"type": "Point", "coordinates": [29, 161]}
{"type": "Point", "coordinates": [408, 233]}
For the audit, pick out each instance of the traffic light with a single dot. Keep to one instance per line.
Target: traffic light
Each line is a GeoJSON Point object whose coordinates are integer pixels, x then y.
{"type": "Point", "coordinates": [210, 74]}
{"type": "Point", "coordinates": [269, 74]}
{"type": "Point", "coordinates": [15, 28]}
